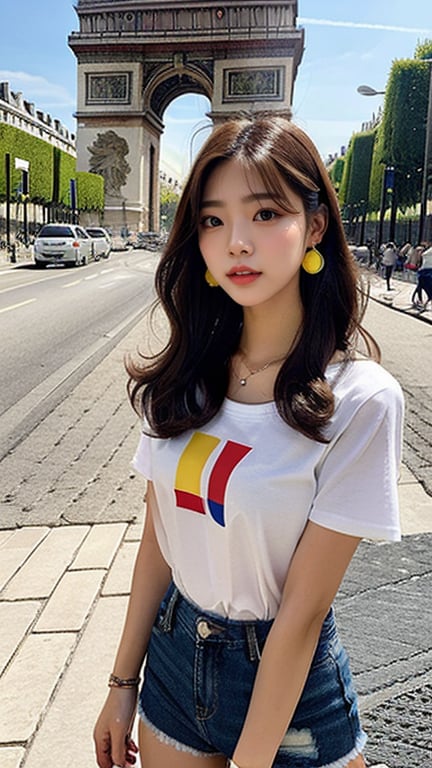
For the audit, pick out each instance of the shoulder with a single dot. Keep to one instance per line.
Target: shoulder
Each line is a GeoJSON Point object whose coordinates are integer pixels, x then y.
{"type": "Point", "coordinates": [361, 377]}
{"type": "Point", "coordinates": [364, 382]}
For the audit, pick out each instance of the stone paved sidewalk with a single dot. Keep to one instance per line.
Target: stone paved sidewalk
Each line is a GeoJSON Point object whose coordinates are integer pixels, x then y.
{"type": "Point", "coordinates": [399, 298]}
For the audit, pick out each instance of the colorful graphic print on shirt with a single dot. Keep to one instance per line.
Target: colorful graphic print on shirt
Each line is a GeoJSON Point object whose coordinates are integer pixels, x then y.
{"type": "Point", "coordinates": [190, 468]}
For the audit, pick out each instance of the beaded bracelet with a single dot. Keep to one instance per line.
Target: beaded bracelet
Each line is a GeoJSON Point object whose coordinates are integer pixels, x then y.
{"type": "Point", "coordinates": [119, 682]}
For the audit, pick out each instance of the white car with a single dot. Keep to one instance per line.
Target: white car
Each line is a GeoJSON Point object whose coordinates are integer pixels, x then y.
{"type": "Point", "coordinates": [101, 242]}
{"type": "Point", "coordinates": [62, 244]}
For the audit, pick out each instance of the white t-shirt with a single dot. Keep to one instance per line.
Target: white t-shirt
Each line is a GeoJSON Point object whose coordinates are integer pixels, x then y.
{"type": "Point", "coordinates": [235, 496]}
{"type": "Point", "coordinates": [426, 262]}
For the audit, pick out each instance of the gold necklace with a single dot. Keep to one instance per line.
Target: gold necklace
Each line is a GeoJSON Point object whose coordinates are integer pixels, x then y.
{"type": "Point", "coordinates": [253, 371]}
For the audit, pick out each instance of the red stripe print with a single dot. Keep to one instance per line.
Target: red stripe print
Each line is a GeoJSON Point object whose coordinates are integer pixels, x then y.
{"type": "Point", "coordinates": [190, 501]}
{"type": "Point", "coordinates": [231, 455]}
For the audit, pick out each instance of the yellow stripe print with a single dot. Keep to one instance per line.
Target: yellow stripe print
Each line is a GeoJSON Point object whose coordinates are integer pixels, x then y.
{"type": "Point", "coordinates": [192, 462]}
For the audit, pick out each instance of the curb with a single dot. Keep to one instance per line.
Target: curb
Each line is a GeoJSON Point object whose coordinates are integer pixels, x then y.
{"type": "Point", "coordinates": [415, 315]}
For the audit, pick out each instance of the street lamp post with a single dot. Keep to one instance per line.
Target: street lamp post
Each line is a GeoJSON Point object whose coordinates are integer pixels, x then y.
{"type": "Point", "coordinates": [192, 139]}
{"type": "Point", "coordinates": [8, 194]}
{"type": "Point", "coordinates": [366, 90]}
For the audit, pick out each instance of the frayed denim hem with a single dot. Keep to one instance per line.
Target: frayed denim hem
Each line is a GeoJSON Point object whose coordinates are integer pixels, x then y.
{"type": "Point", "coordinates": [165, 739]}
{"type": "Point", "coordinates": [344, 761]}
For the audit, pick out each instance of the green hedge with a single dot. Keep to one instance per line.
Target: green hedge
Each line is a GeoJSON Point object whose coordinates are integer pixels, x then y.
{"type": "Point", "coordinates": [377, 172]}
{"type": "Point", "coordinates": [402, 132]}
{"type": "Point", "coordinates": [336, 171]}
{"type": "Point", "coordinates": [50, 172]}
{"type": "Point", "coordinates": [40, 156]}
{"type": "Point", "coordinates": [404, 127]}
{"type": "Point", "coordinates": [354, 188]}
{"type": "Point", "coordinates": [90, 191]}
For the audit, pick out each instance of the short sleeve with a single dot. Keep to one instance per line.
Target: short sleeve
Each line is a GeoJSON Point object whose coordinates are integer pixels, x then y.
{"type": "Point", "coordinates": [357, 478]}
{"type": "Point", "coordinates": [142, 459]}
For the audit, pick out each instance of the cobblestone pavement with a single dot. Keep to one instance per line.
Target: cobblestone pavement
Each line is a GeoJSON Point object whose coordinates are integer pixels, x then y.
{"type": "Point", "coordinates": [418, 395]}
{"type": "Point", "coordinates": [384, 613]}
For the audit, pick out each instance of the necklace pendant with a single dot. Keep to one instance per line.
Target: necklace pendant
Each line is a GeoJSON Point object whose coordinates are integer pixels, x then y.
{"type": "Point", "coordinates": [243, 382]}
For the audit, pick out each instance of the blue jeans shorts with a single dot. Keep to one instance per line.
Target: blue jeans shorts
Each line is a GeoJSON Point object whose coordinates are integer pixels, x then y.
{"type": "Point", "coordinates": [198, 679]}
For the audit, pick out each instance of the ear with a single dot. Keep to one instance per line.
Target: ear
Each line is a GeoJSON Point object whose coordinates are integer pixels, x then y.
{"type": "Point", "coordinates": [317, 225]}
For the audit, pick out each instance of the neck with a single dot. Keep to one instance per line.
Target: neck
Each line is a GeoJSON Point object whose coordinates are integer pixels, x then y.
{"type": "Point", "coordinates": [267, 335]}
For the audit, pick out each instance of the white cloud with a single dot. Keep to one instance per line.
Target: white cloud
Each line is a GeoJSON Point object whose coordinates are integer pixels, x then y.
{"type": "Point", "coordinates": [39, 89]}
{"type": "Point", "coordinates": [363, 25]}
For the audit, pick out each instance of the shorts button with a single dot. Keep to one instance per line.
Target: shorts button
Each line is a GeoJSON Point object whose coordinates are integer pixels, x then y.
{"type": "Point", "coordinates": [203, 629]}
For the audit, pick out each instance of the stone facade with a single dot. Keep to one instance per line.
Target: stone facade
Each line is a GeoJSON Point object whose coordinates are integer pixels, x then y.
{"type": "Point", "coordinates": [135, 56]}
{"type": "Point", "coordinates": [17, 111]}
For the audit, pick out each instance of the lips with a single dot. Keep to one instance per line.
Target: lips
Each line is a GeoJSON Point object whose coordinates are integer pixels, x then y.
{"type": "Point", "coordinates": [242, 275]}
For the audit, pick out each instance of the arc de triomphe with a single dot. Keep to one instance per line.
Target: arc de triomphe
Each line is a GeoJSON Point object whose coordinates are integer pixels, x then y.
{"type": "Point", "coordinates": [135, 56]}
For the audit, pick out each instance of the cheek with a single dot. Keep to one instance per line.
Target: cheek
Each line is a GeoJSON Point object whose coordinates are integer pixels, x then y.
{"type": "Point", "coordinates": [290, 239]}
{"type": "Point", "coordinates": [209, 247]}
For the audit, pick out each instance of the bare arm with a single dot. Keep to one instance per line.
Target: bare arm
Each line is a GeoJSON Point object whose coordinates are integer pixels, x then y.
{"type": "Point", "coordinates": [314, 576]}
{"type": "Point", "coordinates": [150, 581]}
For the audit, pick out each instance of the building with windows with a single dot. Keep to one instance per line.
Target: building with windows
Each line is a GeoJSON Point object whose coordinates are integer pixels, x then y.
{"type": "Point", "coordinates": [17, 111]}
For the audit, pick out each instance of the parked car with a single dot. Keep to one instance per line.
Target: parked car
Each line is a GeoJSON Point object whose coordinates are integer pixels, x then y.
{"type": "Point", "coordinates": [119, 243]}
{"type": "Point", "coordinates": [101, 242]}
{"type": "Point", "coordinates": [150, 241]}
{"type": "Point", "coordinates": [62, 244]}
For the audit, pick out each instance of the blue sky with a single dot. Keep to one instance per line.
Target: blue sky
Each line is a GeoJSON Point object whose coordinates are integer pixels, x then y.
{"type": "Point", "coordinates": [347, 44]}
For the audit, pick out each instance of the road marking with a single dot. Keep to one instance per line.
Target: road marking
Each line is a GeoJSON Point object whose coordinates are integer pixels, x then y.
{"type": "Point", "coordinates": [69, 285]}
{"type": "Point", "coordinates": [15, 306]}
{"type": "Point", "coordinates": [91, 277]}
{"type": "Point", "coordinates": [105, 271]}
{"type": "Point", "coordinates": [32, 282]}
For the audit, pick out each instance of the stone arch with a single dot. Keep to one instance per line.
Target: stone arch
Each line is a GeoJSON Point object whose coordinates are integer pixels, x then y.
{"type": "Point", "coordinates": [170, 82]}
{"type": "Point", "coordinates": [134, 58]}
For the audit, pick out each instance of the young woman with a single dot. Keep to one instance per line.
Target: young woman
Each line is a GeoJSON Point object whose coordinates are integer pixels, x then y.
{"type": "Point", "coordinates": [271, 445]}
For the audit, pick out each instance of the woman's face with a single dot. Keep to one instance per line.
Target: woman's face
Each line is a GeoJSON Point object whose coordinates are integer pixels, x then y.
{"type": "Point", "coordinates": [252, 246]}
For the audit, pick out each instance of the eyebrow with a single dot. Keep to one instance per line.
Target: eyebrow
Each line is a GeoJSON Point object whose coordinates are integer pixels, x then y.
{"type": "Point", "coordinates": [248, 199]}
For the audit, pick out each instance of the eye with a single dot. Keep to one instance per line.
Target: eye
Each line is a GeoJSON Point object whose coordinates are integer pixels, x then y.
{"type": "Point", "coordinates": [210, 222]}
{"type": "Point", "coordinates": [266, 215]}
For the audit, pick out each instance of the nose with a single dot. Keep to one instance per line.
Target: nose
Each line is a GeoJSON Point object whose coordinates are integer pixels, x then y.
{"type": "Point", "coordinates": [240, 243]}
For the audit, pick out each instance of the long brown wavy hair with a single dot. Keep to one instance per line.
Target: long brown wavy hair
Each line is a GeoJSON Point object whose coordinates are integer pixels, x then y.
{"type": "Point", "coordinates": [184, 385]}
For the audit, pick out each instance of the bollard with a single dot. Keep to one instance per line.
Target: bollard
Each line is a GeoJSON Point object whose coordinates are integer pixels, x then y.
{"type": "Point", "coordinates": [13, 253]}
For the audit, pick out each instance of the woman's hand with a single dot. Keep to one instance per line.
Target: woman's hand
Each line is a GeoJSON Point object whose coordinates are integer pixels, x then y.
{"type": "Point", "coordinates": [114, 746]}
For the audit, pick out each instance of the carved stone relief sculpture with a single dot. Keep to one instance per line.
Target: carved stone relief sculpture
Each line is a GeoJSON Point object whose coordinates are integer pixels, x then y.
{"type": "Point", "coordinates": [107, 157]}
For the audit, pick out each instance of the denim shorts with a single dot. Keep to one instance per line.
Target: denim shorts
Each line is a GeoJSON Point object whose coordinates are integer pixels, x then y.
{"type": "Point", "coordinates": [198, 679]}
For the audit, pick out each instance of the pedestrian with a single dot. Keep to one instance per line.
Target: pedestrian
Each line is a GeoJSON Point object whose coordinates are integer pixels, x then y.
{"type": "Point", "coordinates": [424, 281]}
{"type": "Point", "coordinates": [271, 445]}
{"type": "Point", "coordinates": [388, 261]}
{"type": "Point", "coordinates": [414, 258]}
{"type": "Point", "coordinates": [370, 242]}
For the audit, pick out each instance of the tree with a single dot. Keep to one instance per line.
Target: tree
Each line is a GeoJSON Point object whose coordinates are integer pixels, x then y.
{"type": "Point", "coordinates": [168, 204]}
{"type": "Point", "coordinates": [335, 171]}
{"type": "Point", "coordinates": [354, 189]}
{"type": "Point", "coordinates": [402, 133]}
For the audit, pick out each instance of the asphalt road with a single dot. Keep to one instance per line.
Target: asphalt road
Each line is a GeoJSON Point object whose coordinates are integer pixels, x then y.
{"type": "Point", "coordinates": [56, 325]}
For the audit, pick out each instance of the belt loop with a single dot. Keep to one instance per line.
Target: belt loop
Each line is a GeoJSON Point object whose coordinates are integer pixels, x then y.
{"type": "Point", "coordinates": [253, 647]}
{"type": "Point", "coordinates": [167, 621]}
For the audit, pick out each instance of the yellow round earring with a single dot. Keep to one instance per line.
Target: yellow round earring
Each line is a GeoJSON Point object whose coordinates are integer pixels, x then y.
{"type": "Point", "coordinates": [313, 261]}
{"type": "Point", "coordinates": [210, 280]}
